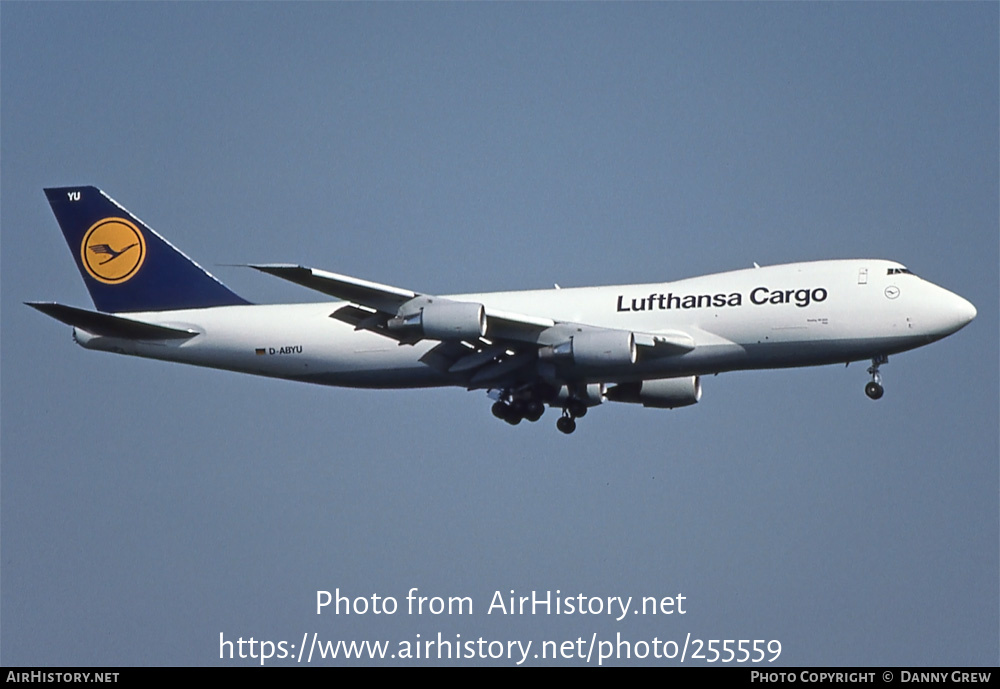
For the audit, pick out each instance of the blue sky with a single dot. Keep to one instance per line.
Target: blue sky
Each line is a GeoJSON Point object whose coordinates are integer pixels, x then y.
{"type": "Point", "coordinates": [147, 508]}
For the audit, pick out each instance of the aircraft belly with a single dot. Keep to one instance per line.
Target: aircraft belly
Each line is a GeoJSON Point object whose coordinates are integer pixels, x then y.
{"type": "Point", "coordinates": [381, 378]}
{"type": "Point", "coordinates": [299, 342]}
{"type": "Point", "coordinates": [790, 353]}
{"type": "Point", "coordinates": [820, 352]}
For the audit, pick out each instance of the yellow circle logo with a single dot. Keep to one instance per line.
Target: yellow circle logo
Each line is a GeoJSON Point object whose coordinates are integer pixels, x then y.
{"type": "Point", "coordinates": [113, 250]}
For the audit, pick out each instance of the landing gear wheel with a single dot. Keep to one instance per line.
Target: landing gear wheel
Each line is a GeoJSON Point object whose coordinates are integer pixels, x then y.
{"type": "Point", "coordinates": [566, 424]}
{"type": "Point", "coordinates": [533, 410]}
{"type": "Point", "coordinates": [576, 408]}
{"type": "Point", "coordinates": [500, 410]}
{"type": "Point", "coordinates": [874, 390]}
{"type": "Point", "coordinates": [508, 412]}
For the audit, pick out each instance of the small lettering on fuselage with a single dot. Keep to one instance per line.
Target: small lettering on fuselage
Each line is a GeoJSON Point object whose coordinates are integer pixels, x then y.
{"type": "Point", "coordinates": [291, 349]}
{"type": "Point", "coordinates": [758, 296]}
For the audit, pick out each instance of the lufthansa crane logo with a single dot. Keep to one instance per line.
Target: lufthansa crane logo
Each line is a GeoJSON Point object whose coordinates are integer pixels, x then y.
{"type": "Point", "coordinates": [113, 250]}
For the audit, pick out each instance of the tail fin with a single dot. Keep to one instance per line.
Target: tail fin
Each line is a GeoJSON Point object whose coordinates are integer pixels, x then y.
{"type": "Point", "coordinates": [126, 265]}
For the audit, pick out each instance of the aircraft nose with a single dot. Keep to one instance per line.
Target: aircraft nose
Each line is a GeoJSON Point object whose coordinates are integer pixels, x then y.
{"type": "Point", "coordinates": [960, 312]}
{"type": "Point", "coordinates": [964, 311]}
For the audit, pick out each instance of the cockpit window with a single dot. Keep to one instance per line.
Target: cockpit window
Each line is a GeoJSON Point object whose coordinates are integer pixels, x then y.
{"type": "Point", "coordinates": [898, 271]}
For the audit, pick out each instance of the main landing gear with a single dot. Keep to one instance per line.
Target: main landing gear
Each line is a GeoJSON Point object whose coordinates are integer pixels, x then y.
{"type": "Point", "coordinates": [874, 389]}
{"type": "Point", "coordinates": [516, 410]}
{"type": "Point", "coordinates": [573, 410]}
{"type": "Point", "coordinates": [514, 407]}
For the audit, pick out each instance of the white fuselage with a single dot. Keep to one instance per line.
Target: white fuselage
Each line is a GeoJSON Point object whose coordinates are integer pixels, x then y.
{"type": "Point", "coordinates": [800, 314]}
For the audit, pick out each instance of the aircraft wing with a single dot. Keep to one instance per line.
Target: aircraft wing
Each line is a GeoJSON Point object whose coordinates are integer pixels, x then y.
{"type": "Point", "coordinates": [371, 294]}
{"type": "Point", "coordinates": [375, 299]}
{"type": "Point", "coordinates": [485, 344]}
{"type": "Point", "coordinates": [665, 342]}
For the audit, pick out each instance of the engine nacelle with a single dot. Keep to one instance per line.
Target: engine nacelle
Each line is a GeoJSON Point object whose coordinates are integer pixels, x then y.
{"type": "Point", "coordinates": [457, 320]}
{"type": "Point", "coordinates": [666, 393]}
{"type": "Point", "coordinates": [590, 395]}
{"type": "Point", "coordinates": [597, 349]}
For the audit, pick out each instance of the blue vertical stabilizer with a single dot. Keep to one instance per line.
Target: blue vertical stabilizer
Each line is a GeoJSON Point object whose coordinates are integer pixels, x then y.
{"type": "Point", "coordinates": [125, 264]}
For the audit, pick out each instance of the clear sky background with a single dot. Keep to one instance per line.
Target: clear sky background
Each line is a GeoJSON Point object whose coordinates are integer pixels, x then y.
{"type": "Point", "coordinates": [149, 507]}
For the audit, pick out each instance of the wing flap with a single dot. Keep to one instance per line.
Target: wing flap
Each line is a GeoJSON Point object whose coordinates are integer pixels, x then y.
{"type": "Point", "coordinates": [491, 372]}
{"type": "Point", "coordinates": [477, 359]}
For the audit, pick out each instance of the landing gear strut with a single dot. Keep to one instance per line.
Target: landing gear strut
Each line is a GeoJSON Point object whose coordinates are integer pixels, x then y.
{"type": "Point", "coordinates": [575, 408]}
{"type": "Point", "coordinates": [874, 389]}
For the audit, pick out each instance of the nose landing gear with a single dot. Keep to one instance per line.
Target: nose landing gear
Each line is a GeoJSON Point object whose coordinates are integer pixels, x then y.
{"type": "Point", "coordinates": [874, 389]}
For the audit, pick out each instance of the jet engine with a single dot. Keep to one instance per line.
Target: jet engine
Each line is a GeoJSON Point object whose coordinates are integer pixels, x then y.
{"type": "Point", "coordinates": [666, 393]}
{"type": "Point", "coordinates": [457, 320]}
{"type": "Point", "coordinates": [589, 395]}
{"type": "Point", "coordinates": [596, 349]}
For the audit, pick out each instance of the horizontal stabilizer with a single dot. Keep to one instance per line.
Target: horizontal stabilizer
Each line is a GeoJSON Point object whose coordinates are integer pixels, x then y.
{"type": "Point", "coordinates": [106, 325]}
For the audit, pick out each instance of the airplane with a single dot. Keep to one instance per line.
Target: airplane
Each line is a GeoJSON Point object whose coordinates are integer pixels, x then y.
{"type": "Point", "coordinates": [570, 349]}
